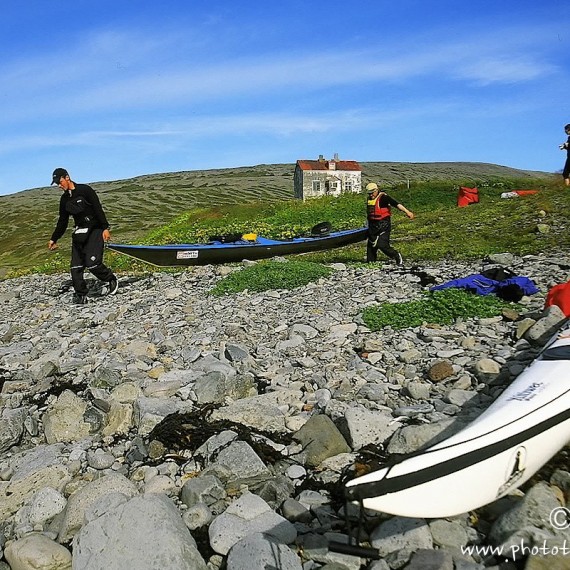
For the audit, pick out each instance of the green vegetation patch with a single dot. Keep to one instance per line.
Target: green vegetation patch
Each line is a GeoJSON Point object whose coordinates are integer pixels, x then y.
{"type": "Point", "coordinates": [268, 275]}
{"type": "Point", "coordinates": [277, 220]}
{"type": "Point", "coordinates": [439, 307]}
{"type": "Point", "coordinates": [440, 229]}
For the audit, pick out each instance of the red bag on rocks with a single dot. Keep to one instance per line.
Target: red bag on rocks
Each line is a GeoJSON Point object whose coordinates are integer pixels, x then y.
{"type": "Point", "coordinates": [559, 295]}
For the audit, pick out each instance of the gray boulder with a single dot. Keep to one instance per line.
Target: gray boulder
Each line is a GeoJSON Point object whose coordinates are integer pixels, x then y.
{"type": "Point", "coordinates": [248, 515]}
{"type": "Point", "coordinates": [534, 510]}
{"type": "Point", "coordinates": [262, 551]}
{"type": "Point", "coordinates": [320, 439]}
{"type": "Point", "coordinates": [37, 552]}
{"type": "Point", "coordinates": [550, 321]}
{"type": "Point", "coordinates": [82, 499]}
{"type": "Point", "coordinates": [11, 427]}
{"type": "Point", "coordinates": [145, 533]}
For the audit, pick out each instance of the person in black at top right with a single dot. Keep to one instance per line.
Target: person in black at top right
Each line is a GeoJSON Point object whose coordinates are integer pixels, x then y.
{"type": "Point", "coordinates": [566, 146]}
{"type": "Point", "coordinates": [379, 213]}
{"type": "Point", "coordinates": [91, 231]}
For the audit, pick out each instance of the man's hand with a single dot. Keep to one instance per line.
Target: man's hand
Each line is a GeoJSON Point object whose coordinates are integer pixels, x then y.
{"type": "Point", "coordinates": [52, 245]}
{"type": "Point", "coordinates": [106, 235]}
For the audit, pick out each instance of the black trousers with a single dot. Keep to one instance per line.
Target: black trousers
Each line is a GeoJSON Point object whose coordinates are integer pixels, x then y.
{"type": "Point", "coordinates": [88, 255]}
{"type": "Point", "coordinates": [379, 239]}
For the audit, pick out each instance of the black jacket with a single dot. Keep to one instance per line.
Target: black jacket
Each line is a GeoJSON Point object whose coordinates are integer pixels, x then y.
{"type": "Point", "coordinates": [93, 209]}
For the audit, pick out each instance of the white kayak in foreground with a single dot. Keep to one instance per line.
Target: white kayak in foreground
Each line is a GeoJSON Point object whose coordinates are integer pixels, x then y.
{"type": "Point", "coordinates": [500, 450]}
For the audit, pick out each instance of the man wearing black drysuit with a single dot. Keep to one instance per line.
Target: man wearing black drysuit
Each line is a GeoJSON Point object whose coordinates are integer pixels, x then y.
{"type": "Point", "coordinates": [91, 231]}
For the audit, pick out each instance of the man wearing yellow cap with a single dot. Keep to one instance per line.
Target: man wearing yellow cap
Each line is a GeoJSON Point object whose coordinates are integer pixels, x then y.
{"type": "Point", "coordinates": [379, 210]}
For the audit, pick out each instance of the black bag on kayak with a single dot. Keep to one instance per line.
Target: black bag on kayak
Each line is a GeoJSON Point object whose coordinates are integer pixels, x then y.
{"type": "Point", "coordinates": [228, 238]}
{"type": "Point", "coordinates": [322, 229]}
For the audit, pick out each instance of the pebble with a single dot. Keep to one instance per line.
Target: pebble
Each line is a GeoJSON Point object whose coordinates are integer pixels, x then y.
{"type": "Point", "coordinates": [219, 426]}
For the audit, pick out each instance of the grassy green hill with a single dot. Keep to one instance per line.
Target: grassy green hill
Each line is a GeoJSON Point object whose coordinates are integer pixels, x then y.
{"type": "Point", "coordinates": [144, 203]}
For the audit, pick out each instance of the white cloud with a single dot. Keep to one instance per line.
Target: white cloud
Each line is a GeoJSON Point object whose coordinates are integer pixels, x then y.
{"type": "Point", "coordinates": [118, 71]}
{"type": "Point", "coordinates": [277, 124]}
{"type": "Point", "coordinates": [505, 70]}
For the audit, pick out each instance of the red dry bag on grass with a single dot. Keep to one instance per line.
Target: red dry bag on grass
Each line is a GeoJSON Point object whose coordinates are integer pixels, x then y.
{"type": "Point", "coordinates": [467, 196]}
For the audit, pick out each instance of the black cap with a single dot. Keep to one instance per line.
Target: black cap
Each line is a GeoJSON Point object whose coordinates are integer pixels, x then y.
{"type": "Point", "coordinates": [58, 173]}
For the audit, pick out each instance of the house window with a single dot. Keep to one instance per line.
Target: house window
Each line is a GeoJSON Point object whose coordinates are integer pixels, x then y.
{"type": "Point", "coordinates": [348, 187]}
{"type": "Point", "coordinates": [334, 188]}
{"type": "Point", "coordinates": [316, 186]}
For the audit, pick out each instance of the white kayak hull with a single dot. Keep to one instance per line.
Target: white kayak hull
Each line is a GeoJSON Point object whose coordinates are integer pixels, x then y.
{"type": "Point", "coordinates": [525, 427]}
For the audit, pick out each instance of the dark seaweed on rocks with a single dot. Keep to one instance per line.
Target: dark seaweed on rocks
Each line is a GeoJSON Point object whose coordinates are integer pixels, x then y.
{"type": "Point", "coordinates": [189, 431]}
{"type": "Point", "coordinates": [56, 388]}
{"type": "Point", "coordinates": [4, 375]}
{"type": "Point", "coordinates": [370, 458]}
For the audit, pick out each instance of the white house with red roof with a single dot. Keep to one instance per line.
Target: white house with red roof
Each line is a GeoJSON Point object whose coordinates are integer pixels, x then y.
{"type": "Point", "coordinates": [314, 178]}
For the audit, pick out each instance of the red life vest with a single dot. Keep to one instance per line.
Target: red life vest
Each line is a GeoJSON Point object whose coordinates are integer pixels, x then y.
{"type": "Point", "coordinates": [375, 211]}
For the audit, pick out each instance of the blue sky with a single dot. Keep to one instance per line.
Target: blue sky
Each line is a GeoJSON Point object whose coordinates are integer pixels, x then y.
{"type": "Point", "coordinates": [115, 89]}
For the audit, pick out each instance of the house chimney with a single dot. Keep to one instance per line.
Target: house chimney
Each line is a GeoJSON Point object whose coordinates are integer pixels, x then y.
{"type": "Point", "coordinates": [321, 158]}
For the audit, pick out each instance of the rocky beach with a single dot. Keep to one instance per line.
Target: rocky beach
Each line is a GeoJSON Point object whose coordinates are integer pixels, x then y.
{"type": "Point", "coordinates": [167, 428]}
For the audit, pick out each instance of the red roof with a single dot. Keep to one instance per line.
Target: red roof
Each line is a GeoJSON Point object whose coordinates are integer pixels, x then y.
{"type": "Point", "coordinates": [324, 165]}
